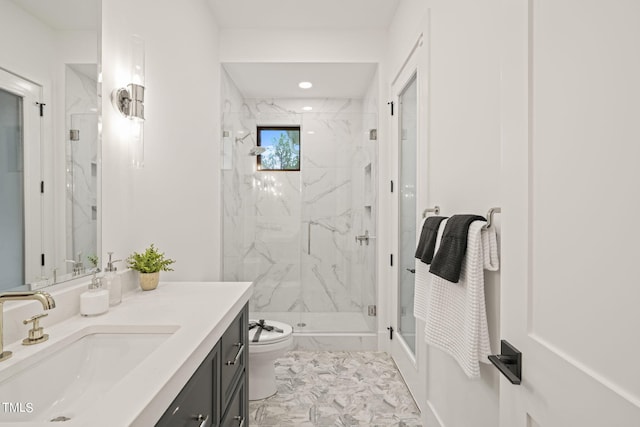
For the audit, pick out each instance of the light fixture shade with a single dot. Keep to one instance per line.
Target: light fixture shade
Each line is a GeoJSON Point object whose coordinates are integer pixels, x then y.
{"type": "Point", "coordinates": [137, 60]}
{"type": "Point", "coordinates": [136, 143]}
{"type": "Point", "coordinates": [129, 102]}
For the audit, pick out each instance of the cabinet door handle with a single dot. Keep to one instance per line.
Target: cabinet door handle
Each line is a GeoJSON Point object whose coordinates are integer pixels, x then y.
{"type": "Point", "coordinates": [240, 419]}
{"type": "Point", "coordinates": [238, 354]}
{"type": "Point", "coordinates": [202, 418]}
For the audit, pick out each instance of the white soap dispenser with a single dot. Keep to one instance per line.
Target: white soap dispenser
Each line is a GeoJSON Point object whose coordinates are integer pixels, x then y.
{"type": "Point", "coordinates": [96, 300]}
{"type": "Point", "coordinates": [113, 282]}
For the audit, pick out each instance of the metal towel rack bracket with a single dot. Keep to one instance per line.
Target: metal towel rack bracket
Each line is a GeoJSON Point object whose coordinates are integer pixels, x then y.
{"type": "Point", "coordinates": [435, 210]}
{"type": "Point", "coordinates": [490, 216]}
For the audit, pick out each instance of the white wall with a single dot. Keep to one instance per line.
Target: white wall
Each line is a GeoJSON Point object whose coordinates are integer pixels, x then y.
{"type": "Point", "coordinates": [174, 200]}
{"type": "Point", "coordinates": [460, 146]}
{"type": "Point", "coordinates": [22, 33]}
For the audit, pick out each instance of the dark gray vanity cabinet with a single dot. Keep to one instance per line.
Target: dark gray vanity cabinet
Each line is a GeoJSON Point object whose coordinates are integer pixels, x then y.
{"type": "Point", "coordinates": [234, 355]}
{"type": "Point", "coordinates": [217, 393]}
{"type": "Point", "coordinates": [196, 404]}
{"type": "Point", "coordinates": [237, 409]}
{"type": "Point", "coordinates": [234, 377]}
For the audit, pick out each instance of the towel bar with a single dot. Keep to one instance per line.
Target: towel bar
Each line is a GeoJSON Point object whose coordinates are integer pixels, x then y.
{"type": "Point", "coordinates": [435, 210]}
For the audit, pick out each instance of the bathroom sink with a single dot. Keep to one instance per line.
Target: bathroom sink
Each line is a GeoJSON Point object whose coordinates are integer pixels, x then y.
{"type": "Point", "coordinates": [62, 380]}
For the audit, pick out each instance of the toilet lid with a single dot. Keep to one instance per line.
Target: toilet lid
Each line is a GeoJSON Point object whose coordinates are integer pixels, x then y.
{"type": "Point", "coordinates": [266, 336]}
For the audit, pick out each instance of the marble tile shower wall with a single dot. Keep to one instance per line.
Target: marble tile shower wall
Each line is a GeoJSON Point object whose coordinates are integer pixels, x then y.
{"type": "Point", "coordinates": [293, 232]}
{"type": "Point", "coordinates": [81, 114]}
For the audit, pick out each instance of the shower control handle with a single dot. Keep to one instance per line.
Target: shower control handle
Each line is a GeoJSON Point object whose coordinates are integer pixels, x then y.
{"type": "Point", "coordinates": [364, 238]}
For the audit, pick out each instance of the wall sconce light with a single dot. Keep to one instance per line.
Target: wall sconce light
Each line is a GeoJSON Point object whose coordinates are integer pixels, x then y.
{"type": "Point", "coordinates": [129, 102]}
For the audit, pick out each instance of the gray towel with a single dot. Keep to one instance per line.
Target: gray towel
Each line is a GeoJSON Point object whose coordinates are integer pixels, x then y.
{"type": "Point", "coordinates": [427, 243]}
{"type": "Point", "coordinates": [447, 262]}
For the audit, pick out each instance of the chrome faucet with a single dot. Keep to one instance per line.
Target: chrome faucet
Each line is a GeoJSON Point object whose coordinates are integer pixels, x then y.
{"type": "Point", "coordinates": [78, 265]}
{"type": "Point", "coordinates": [45, 299]}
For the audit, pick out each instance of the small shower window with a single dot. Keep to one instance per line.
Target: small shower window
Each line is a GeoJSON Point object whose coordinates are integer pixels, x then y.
{"type": "Point", "coordinates": [280, 148]}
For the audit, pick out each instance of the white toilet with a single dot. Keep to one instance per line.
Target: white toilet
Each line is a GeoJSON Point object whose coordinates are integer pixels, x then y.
{"type": "Point", "coordinates": [263, 354]}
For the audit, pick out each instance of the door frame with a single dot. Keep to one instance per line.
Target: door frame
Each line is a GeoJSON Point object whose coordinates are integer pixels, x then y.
{"type": "Point", "coordinates": [409, 364]}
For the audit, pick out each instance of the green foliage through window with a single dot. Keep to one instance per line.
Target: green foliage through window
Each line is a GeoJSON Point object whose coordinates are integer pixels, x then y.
{"type": "Point", "coordinates": [282, 148]}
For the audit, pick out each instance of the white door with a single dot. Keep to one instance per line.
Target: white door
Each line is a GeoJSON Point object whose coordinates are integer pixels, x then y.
{"type": "Point", "coordinates": [570, 90]}
{"type": "Point", "coordinates": [405, 129]}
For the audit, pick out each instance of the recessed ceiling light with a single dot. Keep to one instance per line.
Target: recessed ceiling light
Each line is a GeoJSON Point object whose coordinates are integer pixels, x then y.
{"type": "Point", "coordinates": [307, 108]}
{"type": "Point", "coordinates": [305, 85]}
{"type": "Point", "coordinates": [311, 132]}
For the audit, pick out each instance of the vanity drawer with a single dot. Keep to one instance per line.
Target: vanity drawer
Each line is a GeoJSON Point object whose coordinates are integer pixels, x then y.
{"type": "Point", "coordinates": [196, 405]}
{"type": "Point", "coordinates": [237, 411]}
{"type": "Point", "coordinates": [234, 353]}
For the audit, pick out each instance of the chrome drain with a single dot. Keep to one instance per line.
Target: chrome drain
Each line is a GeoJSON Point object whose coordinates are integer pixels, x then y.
{"type": "Point", "coordinates": [59, 419]}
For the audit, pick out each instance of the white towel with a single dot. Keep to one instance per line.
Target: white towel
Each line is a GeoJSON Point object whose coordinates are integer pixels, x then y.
{"type": "Point", "coordinates": [423, 279]}
{"type": "Point", "coordinates": [456, 316]}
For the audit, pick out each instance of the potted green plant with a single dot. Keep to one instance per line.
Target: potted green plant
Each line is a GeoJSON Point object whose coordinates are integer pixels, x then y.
{"type": "Point", "coordinates": [149, 264]}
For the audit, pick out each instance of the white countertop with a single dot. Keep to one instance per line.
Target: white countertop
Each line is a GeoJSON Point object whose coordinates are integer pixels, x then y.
{"type": "Point", "coordinates": [201, 311]}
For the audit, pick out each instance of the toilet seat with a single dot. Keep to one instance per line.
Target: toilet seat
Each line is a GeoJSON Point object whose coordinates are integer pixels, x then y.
{"type": "Point", "coordinates": [270, 337]}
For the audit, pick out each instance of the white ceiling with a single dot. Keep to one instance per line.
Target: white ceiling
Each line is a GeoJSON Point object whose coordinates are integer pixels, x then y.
{"type": "Point", "coordinates": [304, 14]}
{"type": "Point", "coordinates": [280, 80]}
{"type": "Point", "coordinates": [64, 14]}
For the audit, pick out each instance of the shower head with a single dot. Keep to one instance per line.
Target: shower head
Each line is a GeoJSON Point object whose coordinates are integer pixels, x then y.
{"type": "Point", "coordinates": [256, 151]}
{"type": "Point", "coordinates": [243, 138]}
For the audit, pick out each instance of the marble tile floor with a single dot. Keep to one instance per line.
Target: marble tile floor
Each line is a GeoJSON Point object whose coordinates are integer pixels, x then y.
{"type": "Point", "coordinates": [322, 389]}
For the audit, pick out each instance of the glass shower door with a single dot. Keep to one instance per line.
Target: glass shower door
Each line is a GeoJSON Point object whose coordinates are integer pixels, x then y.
{"type": "Point", "coordinates": [338, 273]}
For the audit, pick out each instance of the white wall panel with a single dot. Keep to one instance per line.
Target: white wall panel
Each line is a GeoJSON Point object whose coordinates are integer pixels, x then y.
{"type": "Point", "coordinates": [174, 200]}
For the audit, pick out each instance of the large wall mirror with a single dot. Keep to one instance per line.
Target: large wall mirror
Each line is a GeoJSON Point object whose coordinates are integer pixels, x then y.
{"type": "Point", "coordinates": [49, 141]}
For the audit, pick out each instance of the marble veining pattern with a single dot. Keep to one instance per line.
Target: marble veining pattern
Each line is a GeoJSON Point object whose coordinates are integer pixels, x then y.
{"type": "Point", "coordinates": [323, 389]}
